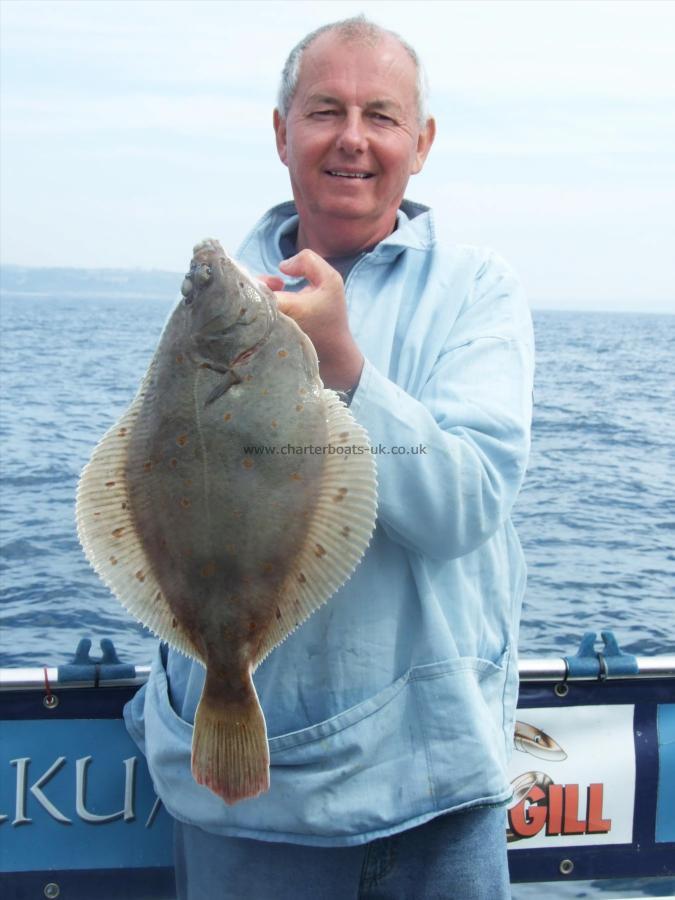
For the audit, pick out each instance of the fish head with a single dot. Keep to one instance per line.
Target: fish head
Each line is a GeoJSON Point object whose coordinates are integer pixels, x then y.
{"type": "Point", "coordinates": [225, 311]}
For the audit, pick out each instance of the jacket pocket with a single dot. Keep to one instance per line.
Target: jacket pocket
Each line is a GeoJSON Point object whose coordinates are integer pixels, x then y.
{"type": "Point", "coordinates": [355, 715]}
{"type": "Point", "coordinates": [460, 707]}
{"type": "Point", "coordinates": [431, 741]}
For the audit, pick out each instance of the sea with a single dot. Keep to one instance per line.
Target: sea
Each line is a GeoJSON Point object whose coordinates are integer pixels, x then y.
{"type": "Point", "coordinates": [596, 514]}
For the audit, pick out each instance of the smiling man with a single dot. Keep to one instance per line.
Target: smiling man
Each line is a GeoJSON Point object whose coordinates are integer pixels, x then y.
{"type": "Point", "coordinates": [390, 712]}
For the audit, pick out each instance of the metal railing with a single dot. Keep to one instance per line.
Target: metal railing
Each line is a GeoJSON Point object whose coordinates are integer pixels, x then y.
{"type": "Point", "coordinates": [534, 669]}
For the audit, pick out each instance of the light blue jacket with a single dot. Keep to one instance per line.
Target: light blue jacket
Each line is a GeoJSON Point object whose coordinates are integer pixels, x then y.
{"type": "Point", "coordinates": [395, 701]}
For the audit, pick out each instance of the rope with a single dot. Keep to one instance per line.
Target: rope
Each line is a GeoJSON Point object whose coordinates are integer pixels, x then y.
{"type": "Point", "coordinates": [49, 697]}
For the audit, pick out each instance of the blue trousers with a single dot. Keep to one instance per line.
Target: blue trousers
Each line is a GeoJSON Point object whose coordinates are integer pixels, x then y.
{"type": "Point", "coordinates": [459, 856]}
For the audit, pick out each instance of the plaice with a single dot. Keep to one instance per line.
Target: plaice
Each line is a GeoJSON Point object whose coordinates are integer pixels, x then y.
{"type": "Point", "coordinates": [220, 550]}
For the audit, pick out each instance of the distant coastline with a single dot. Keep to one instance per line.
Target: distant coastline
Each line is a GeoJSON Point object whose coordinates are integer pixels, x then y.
{"type": "Point", "coordinates": [159, 284]}
{"type": "Point", "coordinates": [72, 282]}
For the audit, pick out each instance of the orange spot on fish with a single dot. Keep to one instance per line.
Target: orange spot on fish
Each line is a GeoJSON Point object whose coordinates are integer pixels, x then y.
{"type": "Point", "coordinates": [302, 390]}
{"type": "Point", "coordinates": [180, 358]}
{"type": "Point", "coordinates": [118, 532]}
{"type": "Point", "coordinates": [147, 465]}
{"type": "Point", "coordinates": [182, 440]}
{"type": "Point", "coordinates": [110, 484]}
{"type": "Point", "coordinates": [140, 575]}
{"type": "Point", "coordinates": [282, 353]}
{"type": "Point", "coordinates": [296, 476]}
{"type": "Point", "coordinates": [319, 550]}
{"type": "Point", "coordinates": [173, 462]}
{"type": "Point", "coordinates": [274, 423]}
{"type": "Point", "coordinates": [299, 407]}
{"type": "Point", "coordinates": [227, 417]}
{"type": "Point", "coordinates": [252, 625]}
{"type": "Point", "coordinates": [122, 432]}
{"type": "Point", "coordinates": [268, 568]}
{"type": "Point", "coordinates": [247, 463]}
{"type": "Point", "coordinates": [113, 560]}
{"type": "Point", "coordinates": [208, 571]}
{"type": "Point", "coordinates": [185, 502]}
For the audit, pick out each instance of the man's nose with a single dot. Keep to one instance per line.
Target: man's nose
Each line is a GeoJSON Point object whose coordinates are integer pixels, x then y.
{"type": "Point", "coordinates": [352, 137]}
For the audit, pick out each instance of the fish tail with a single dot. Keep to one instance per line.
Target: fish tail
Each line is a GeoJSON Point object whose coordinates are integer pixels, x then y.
{"type": "Point", "coordinates": [230, 754]}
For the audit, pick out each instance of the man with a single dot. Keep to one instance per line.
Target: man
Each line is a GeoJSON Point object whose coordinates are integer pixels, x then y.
{"type": "Point", "coordinates": [391, 710]}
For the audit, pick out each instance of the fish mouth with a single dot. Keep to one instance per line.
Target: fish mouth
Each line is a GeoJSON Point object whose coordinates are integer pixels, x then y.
{"type": "Point", "coordinates": [349, 173]}
{"type": "Point", "coordinates": [245, 355]}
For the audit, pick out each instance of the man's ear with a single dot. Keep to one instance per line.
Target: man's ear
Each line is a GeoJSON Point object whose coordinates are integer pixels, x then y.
{"type": "Point", "coordinates": [424, 141]}
{"type": "Point", "coordinates": [280, 134]}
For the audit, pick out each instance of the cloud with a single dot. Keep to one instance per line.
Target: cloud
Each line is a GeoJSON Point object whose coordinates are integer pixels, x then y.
{"type": "Point", "coordinates": [129, 129]}
{"type": "Point", "coordinates": [199, 116]}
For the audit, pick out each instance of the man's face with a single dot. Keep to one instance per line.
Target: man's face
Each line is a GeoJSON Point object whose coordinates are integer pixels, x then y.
{"type": "Point", "coordinates": [352, 139]}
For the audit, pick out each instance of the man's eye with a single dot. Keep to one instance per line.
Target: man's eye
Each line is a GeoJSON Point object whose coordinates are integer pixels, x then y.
{"type": "Point", "coordinates": [380, 117]}
{"type": "Point", "coordinates": [324, 112]}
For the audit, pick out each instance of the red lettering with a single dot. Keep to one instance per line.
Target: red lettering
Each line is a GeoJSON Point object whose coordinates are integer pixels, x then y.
{"type": "Point", "coordinates": [528, 820]}
{"type": "Point", "coordinates": [594, 821]}
{"type": "Point", "coordinates": [571, 823]}
{"type": "Point", "coordinates": [555, 809]}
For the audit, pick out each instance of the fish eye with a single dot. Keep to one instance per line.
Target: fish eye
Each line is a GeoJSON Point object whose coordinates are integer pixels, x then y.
{"type": "Point", "coordinates": [186, 289]}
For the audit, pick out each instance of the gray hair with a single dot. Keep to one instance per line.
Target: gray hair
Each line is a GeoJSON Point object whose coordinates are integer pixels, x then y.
{"type": "Point", "coordinates": [356, 28]}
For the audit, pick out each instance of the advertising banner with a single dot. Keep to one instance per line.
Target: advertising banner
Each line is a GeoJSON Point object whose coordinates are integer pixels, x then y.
{"type": "Point", "coordinates": [573, 775]}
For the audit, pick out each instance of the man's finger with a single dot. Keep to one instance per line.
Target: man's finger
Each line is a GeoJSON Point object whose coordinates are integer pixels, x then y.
{"type": "Point", "coordinates": [287, 303]}
{"type": "Point", "coordinates": [273, 282]}
{"type": "Point", "coordinates": [310, 266]}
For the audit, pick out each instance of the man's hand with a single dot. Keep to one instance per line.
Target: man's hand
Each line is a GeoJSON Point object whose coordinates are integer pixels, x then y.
{"type": "Point", "coordinates": [320, 310]}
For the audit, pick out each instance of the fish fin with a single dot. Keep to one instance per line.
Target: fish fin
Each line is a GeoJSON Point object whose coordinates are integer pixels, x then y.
{"type": "Point", "coordinates": [230, 753]}
{"type": "Point", "coordinates": [341, 529]}
{"type": "Point", "coordinates": [107, 532]}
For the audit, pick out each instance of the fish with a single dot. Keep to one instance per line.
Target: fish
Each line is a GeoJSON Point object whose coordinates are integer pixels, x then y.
{"type": "Point", "coordinates": [530, 739]}
{"type": "Point", "coordinates": [230, 501]}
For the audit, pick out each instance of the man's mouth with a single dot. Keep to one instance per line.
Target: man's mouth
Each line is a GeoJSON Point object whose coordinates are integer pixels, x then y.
{"type": "Point", "coordinates": [338, 173]}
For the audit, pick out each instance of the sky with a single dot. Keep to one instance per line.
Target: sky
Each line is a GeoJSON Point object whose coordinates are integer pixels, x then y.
{"type": "Point", "coordinates": [130, 130]}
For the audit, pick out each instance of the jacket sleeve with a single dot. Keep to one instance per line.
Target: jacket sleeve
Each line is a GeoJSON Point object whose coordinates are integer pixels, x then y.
{"type": "Point", "coordinates": [469, 425]}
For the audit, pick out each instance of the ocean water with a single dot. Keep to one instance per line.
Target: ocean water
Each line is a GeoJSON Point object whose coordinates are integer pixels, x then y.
{"type": "Point", "coordinates": [596, 515]}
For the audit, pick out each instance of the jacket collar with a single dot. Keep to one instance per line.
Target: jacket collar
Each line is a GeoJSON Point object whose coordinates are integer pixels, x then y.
{"type": "Point", "coordinates": [414, 230]}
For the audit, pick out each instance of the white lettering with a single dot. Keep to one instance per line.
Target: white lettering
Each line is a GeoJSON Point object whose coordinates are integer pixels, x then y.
{"type": "Point", "coordinates": [20, 817]}
{"type": "Point", "coordinates": [127, 812]}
